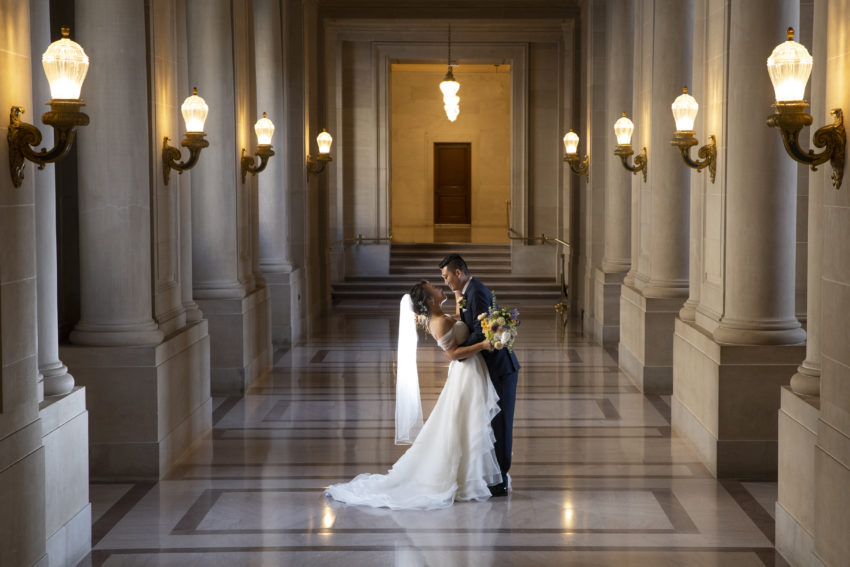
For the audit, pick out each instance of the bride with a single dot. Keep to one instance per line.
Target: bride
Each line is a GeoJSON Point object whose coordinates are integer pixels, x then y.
{"type": "Point", "coordinates": [452, 458]}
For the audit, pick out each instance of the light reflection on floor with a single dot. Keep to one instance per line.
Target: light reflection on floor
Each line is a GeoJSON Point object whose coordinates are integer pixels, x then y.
{"type": "Point", "coordinates": [598, 477]}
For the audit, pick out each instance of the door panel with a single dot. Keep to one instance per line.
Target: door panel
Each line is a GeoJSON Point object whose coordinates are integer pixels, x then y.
{"type": "Point", "coordinates": [452, 185]}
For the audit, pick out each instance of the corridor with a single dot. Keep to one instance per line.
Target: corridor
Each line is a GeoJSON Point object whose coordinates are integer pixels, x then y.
{"type": "Point", "coordinates": [598, 477]}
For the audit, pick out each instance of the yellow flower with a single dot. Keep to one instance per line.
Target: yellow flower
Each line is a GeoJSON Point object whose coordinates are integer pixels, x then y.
{"type": "Point", "coordinates": [498, 345]}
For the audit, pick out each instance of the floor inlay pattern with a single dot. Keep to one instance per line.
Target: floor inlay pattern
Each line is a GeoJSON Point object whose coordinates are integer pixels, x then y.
{"type": "Point", "coordinates": [599, 477]}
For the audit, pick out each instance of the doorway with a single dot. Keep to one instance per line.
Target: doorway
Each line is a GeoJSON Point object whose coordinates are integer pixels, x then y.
{"type": "Point", "coordinates": [452, 183]}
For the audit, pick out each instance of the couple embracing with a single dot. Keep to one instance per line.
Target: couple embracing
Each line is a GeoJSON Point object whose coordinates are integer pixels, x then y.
{"type": "Point", "coordinates": [463, 450]}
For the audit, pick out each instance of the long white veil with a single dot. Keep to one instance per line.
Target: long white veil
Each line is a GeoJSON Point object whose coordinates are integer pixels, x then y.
{"type": "Point", "coordinates": [408, 407]}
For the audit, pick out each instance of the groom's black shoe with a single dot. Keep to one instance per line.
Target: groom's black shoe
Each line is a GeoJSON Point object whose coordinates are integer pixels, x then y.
{"type": "Point", "coordinates": [500, 489]}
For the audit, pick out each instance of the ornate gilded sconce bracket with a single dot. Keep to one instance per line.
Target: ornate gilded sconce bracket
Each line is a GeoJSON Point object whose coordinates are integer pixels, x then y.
{"type": "Point", "coordinates": [685, 139]}
{"type": "Point", "coordinates": [579, 166]}
{"type": "Point", "coordinates": [264, 152]}
{"type": "Point", "coordinates": [64, 117]}
{"type": "Point", "coordinates": [195, 141]}
{"type": "Point", "coordinates": [641, 162]}
{"type": "Point", "coordinates": [791, 117]}
{"type": "Point", "coordinates": [317, 165]}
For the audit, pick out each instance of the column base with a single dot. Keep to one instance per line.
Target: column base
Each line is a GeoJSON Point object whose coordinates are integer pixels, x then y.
{"type": "Point", "coordinates": [806, 381]}
{"type": "Point", "coordinates": [148, 404]}
{"type": "Point", "coordinates": [725, 399]}
{"type": "Point", "coordinates": [240, 341]}
{"type": "Point", "coordinates": [646, 339]}
{"type": "Point", "coordinates": [57, 380]}
{"type": "Point", "coordinates": [280, 288]}
{"type": "Point", "coordinates": [605, 324]}
{"type": "Point", "coordinates": [795, 508]}
{"type": "Point", "coordinates": [734, 332]}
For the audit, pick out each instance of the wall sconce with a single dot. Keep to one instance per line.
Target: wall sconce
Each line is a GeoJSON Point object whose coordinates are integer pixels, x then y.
{"type": "Point", "coordinates": [685, 110]}
{"type": "Point", "coordinates": [577, 165]}
{"type": "Point", "coordinates": [194, 110]}
{"type": "Point", "coordinates": [324, 140]}
{"type": "Point", "coordinates": [264, 128]}
{"type": "Point", "coordinates": [789, 67]}
{"type": "Point", "coordinates": [65, 64]}
{"type": "Point", "coordinates": [623, 129]}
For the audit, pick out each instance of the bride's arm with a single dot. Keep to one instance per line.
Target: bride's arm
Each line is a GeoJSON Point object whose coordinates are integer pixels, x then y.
{"type": "Point", "coordinates": [439, 327]}
{"type": "Point", "coordinates": [461, 352]}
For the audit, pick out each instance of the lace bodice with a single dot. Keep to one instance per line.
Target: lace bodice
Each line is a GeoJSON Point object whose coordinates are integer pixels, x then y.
{"type": "Point", "coordinates": [458, 334]}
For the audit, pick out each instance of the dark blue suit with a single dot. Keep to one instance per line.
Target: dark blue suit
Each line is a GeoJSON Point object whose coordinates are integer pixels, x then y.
{"type": "Point", "coordinates": [501, 364]}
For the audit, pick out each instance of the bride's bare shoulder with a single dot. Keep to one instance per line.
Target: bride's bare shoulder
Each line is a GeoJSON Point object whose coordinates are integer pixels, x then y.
{"type": "Point", "coordinates": [440, 326]}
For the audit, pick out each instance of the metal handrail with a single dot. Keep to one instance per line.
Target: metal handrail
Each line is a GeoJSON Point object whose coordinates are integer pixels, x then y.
{"type": "Point", "coordinates": [360, 239]}
{"type": "Point", "coordinates": [561, 306]}
{"type": "Point", "coordinates": [541, 238]}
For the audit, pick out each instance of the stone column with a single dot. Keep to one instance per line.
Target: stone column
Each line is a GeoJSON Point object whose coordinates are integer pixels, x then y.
{"type": "Point", "coordinates": [616, 259]}
{"type": "Point", "coordinates": [114, 188]}
{"type": "Point", "coordinates": [273, 190]}
{"type": "Point", "coordinates": [761, 201]}
{"type": "Point", "coordinates": [806, 381]}
{"type": "Point", "coordinates": [215, 236]}
{"type": "Point", "coordinates": [57, 380]}
{"type": "Point", "coordinates": [651, 300]}
{"type": "Point", "coordinates": [732, 360]}
{"type": "Point", "coordinates": [223, 229]}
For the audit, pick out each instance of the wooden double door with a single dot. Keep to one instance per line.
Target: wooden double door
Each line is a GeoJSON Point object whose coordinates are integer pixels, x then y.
{"type": "Point", "coordinates": [452, 183]}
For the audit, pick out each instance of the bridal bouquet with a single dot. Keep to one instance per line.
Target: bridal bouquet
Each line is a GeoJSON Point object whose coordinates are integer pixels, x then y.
{"type": "Point", "coordinates": [500, 326]}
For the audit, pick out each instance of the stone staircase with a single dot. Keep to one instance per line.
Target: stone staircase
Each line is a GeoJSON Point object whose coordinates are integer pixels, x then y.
{"type": "Point", "coordinates": [409, 263]}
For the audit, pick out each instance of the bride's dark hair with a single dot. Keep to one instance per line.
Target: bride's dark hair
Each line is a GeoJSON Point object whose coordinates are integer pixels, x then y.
{"type": "Point", "coordinates": [419, 295]}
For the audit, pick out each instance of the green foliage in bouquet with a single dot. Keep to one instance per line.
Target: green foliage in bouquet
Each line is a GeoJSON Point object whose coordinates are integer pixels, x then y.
{"type": "Point", "coordinates": [500, 325]}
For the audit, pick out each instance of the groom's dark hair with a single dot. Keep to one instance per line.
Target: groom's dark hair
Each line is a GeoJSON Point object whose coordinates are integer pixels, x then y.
{"type": "Point", "coordinates": [454, 262]}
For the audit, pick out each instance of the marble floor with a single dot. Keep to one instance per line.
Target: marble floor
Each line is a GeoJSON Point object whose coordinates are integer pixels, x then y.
{"type": "Point", "coordinates": [598, 477]}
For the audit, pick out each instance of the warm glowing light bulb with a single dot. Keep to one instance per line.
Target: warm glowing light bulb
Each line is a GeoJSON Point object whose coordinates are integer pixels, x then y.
{"type": "Point", "coordinates": [324, 140]}
{"type": "Point", "coordinates": [623, 129]}
{"type": "Point", "coordinates": [449, 86]}
{"type": "Point", "coordinates": [685, 109]}
{"type": "Point", "coordinates": [264, 129]}
{"type": "Point", "coordinates": [571, 142]}
{"type": "Point", "coordinates": [65, 64]}
{"type": "Point", "coordinates": [452, 112]}
{"type": "Point", "coordinates": [789, 67]}
{"type": "Point", "coordinates": [194, 110]}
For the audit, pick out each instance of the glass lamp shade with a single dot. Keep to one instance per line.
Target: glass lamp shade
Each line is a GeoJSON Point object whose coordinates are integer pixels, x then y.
{"type": "Point", "coordinates": [65, 64]}
{"type": "Point", "coordinates": [571, 142]}
{"type": "Point", "coordinates": [789, 67]}
{"type": "Point", "coordinates": [452, 112]}
{"type": "Point", "coordinates": [623, 129]}
{"type": "Point", "coordinates": [194, 111]}
{"type": "Point", "coordinates": [685, 109]}
{"type": "Point", "coordinates": [449, 86]}
{"type": "Point", "coordinates": [264, 129]}
{"type": "Point", "coordinates": [324, 140]}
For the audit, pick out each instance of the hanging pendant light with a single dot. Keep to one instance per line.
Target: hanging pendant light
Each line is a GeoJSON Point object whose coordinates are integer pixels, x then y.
{"type": "Point", "coordinates": [449, 87]}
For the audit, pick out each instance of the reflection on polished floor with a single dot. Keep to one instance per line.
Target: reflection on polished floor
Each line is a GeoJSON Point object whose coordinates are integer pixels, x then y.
{"type": "Point", "coordinates": [598, 477]}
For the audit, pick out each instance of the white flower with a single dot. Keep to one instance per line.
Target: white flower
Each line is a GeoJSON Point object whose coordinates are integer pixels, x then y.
{"type": "Point", "coordinates": [481, 316]}
{"type": "Point", "coordinates": [505, 337]}
{"type": "Point", "coordinates": [500, 321]}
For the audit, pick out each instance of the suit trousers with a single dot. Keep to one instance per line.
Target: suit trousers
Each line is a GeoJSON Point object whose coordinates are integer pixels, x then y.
{"type": "Point", "coordinates": [503, 423]}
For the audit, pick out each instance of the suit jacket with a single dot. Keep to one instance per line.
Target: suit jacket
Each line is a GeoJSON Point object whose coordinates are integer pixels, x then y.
{"type": "Point", "coordinates": [478, 300]}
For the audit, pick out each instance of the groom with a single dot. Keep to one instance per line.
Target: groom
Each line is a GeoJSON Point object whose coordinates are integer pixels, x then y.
{"type": "Point", "coordinates": [502, 364]}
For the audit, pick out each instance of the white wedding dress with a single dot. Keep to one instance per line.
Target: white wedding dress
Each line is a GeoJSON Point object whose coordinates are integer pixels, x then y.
{"type": "Point", "coordinates": [452, 458]}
